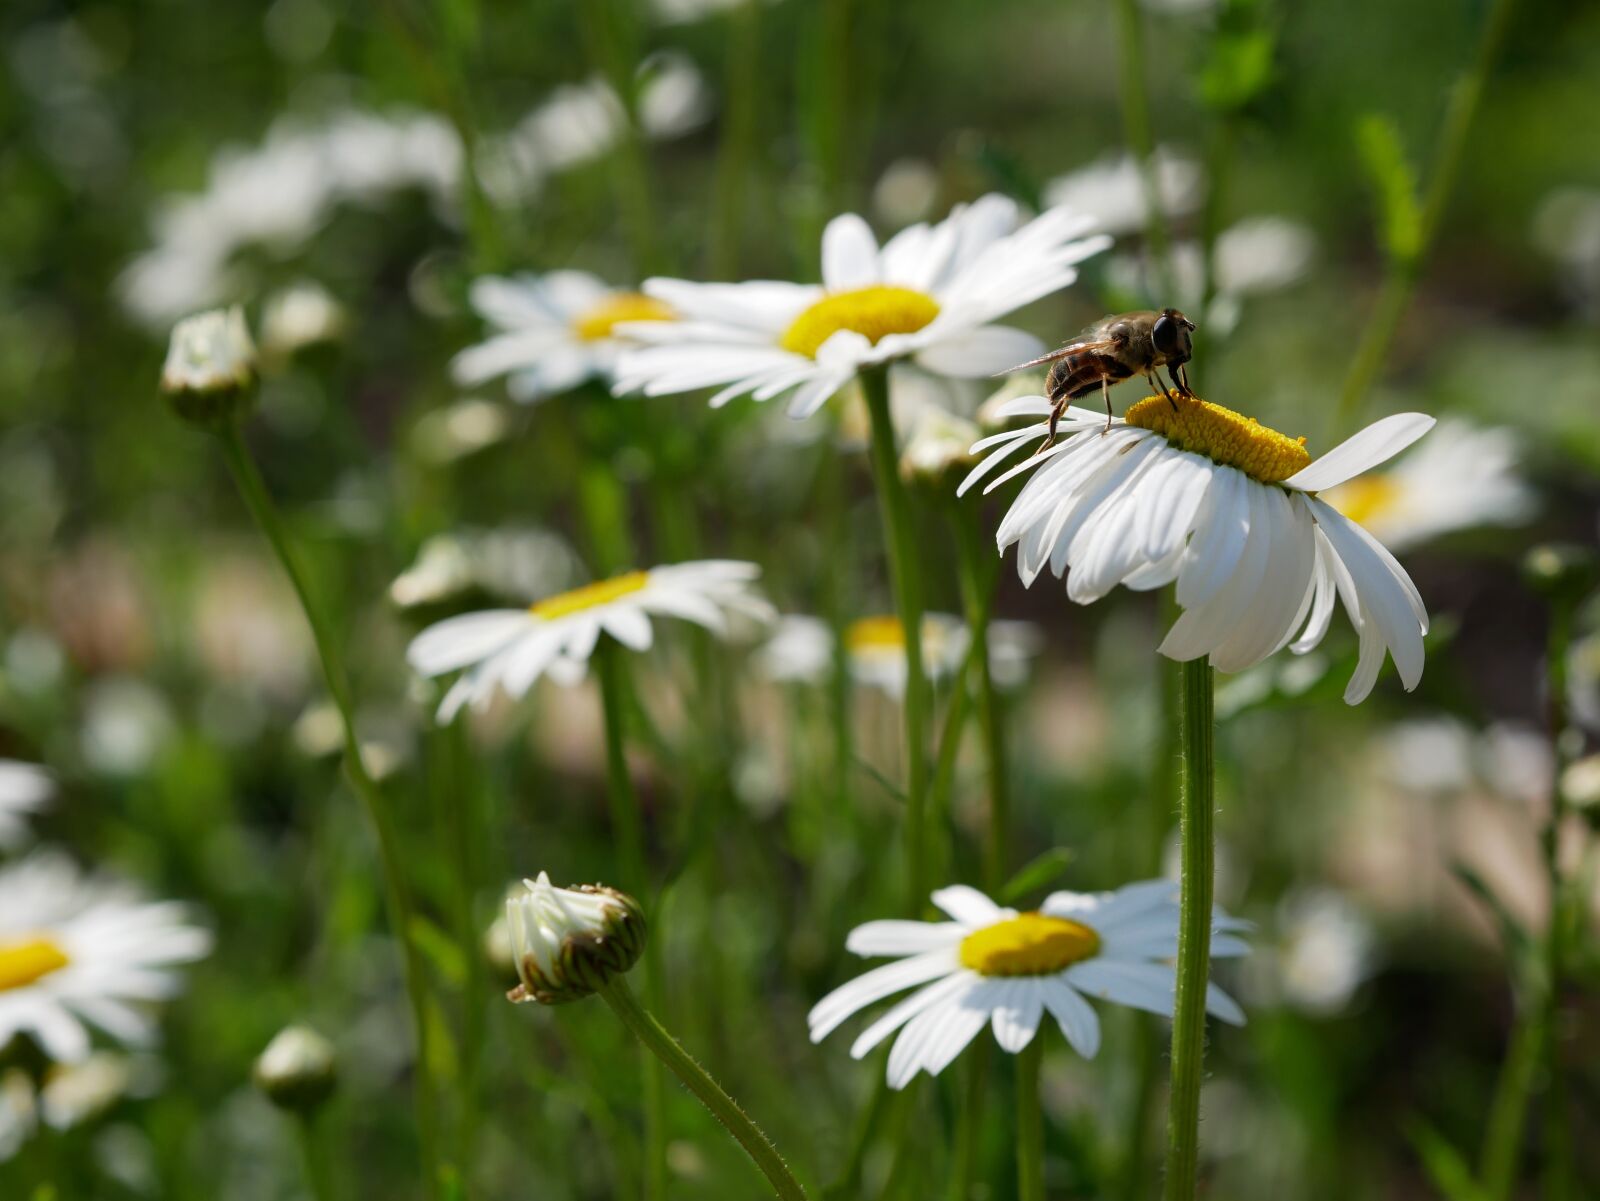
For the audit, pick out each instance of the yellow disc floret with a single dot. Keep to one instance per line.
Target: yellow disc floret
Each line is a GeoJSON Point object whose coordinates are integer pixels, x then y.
{"type": "Point", "coordinates": [599, 321]}
{"type": "Point", "coordinates": [590, 596]}
{"type": "Point", "coordinates": [1364, 498]}
{"type": "Point", "coordinates": [1222, 435]}
{"type": "Point", "coordinates": [1030, 944]}
{"type": "Point", "coordinates": [875, 633]}
{"type": "Point", "coordinates": [874, 313]}
{"type": "Point", "coordinates": [29, 959]}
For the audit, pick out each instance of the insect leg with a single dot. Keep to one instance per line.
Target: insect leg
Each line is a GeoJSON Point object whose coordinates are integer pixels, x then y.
{"type": "Point", "coordinates": [1176, 387]}
{"type": "Point", "coordinates": [1105, 392]}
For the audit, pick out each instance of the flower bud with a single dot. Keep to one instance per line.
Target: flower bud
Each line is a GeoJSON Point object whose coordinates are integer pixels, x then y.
{"type": "Point", "coordinates": [297, 1070]}
{"type": "Point", "coordinates": [1561, 571]}
{"type": "Point", "coordinates": [568, 942]}
{"type": "Point", "coordinates": [210, 371]}
{"type": "Point", "coordinates": [938, 452]}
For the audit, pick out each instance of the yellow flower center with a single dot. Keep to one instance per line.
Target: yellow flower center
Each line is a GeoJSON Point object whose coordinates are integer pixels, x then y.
{"type": "Point", "coordinates": [875, 633]}
{"type": "Point", "coordinates": [29, 959]}
{"type": "Point", "coordinates": [590, 596]}
{"type": "Point", "coordinates": [874, 313]}
{"type": "Point", "coordinates": [599, 321]}
{"type": "Point", "coordinates": [1222, 435]}
{"type": "Point", "coordinates": [1030, 944]}
{"type": "Point", "coordinates": [1365, 498]}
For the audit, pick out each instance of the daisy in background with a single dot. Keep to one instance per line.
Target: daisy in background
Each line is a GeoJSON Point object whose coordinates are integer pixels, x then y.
{"type": "Point", "coordinates": [509, 649]}
{"type": "Point", "coordinates": [1463, 477]}
{"type": "Point", "coordinates": [79, 952]}
{"type": "Point", "coordinates": [1111, 189]}
{"type": "Point", "coordinates": [930, 294]}
{"type": "Point", "coordinates": [552, 332]}
{"type": "Point", "coordinates": [998, 967]}
{"type": "Point", "coordinates": [801, 650]}
{"type": "Point", "coordinates": [25, 789]}
{"type": "Point", "coordinates": [1182, 490]}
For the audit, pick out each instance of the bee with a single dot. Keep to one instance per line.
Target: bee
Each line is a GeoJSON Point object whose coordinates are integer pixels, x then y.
{"type": "Point", "coordinates": [1113, 349]}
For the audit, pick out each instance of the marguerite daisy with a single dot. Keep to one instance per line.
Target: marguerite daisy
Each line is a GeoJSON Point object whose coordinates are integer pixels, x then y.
{"type": "Point", "coordinates": [512, 648]}
{"type": "Point", "coordinates": [24, 790]}
{"type": "Point", "coordinates": [999, 967]}
{"type": "Point", "coordinates": [930, 292]}
{"type": "Point", "coordinates": [1187, 491]}
{"type": "Point", "coordinates": [77, 952]}
{"type": "Point", "coordinates": [554, 331]}
{"type": "Point", "coordinates": [1461, 478]}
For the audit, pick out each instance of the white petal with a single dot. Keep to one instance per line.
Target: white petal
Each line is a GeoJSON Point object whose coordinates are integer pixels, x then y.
{"type": "Point", "coordinates": [1074, 1015]}
{"type": "Point", "coordinates": [969, 906]}
{"type": "Point", "coordinates": [902, 937]}
{"type": "Point", "coordinates": [849, 254]}
{"type": "Point", "coordinates": [986, 350]}
{"type": "Point", "coordinates": [458, 641]}
{"type": "Point", "coordinates": [873, 986]}
{"type": "Point", "coordinates": [1380, 441]}
{"type": "Point", "coordinates": [903, 1011]}
{"type": "Point", "coordinates": [935, 1037]}
{"type": "Point", "coordinates": [627, 625]}
{"type": "Point", "coordinates": [1016, 1013]}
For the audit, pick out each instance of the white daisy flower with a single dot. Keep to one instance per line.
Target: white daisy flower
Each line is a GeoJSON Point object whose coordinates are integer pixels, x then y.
{"type": "Point", "coordinates": [1111, 189]}
{"type": "Point", "coordinates": [801, 650]}
{"type": "Point", "coordinates": [930, 293]}
{"type": "Point", "coordinates": [77, 952]}
{"type": "Point", "coordinates": [998, 967]}
{"type": "Point", "coordinates": [1462, 477]}
{"type": "Point", "coordinates": [1187, 491]}
{"type": "Point", "coordinates": [25, 789]}
{"type": "Point", "coordinates": [510, 649]}
{"type": "Point", "coordinates": [553, 332]}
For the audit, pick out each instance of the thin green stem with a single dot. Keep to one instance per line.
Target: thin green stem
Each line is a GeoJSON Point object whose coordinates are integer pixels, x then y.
{"type": "Point", "coordinates": [1403, 273]}
{"type": "Point", "coordinates": [724, 1108]}
{"type": "Point", "coordinates": [1137, 129]}
{"type": "Point", "coordinates": [1194, 931]}
{"type": "Point", "coordinates": [628, 823]}
{"type": "Point", "coordinates": [604, 503]}
{"type": "Point", "coordinates": [1558, 1123]}
{"type": "Point", "coordinates": [1502, 1139]}
{"type": "Point", "coordinates": [741, 122]}
{"type": "Point", "coordinates": [905, 572]}
{"type": "Point", "coordinates": [319, 1169]}
{"type": "Point", "coordinates": [401, 911]}
{"type": "Point", "coordinates": [1030, 1122]}
{"type": "Point", "coordinates": [969, 1123]}
{"type": "Point", "coordinates": [977, 569]}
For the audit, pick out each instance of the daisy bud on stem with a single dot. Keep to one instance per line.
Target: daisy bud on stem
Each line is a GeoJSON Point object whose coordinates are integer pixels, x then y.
{"type": "Point", "coordinates": [297, 1071]}
{"type": "Point", "coordinates": [210, 372]}
{"type": "Point", "coordinates": [571, 942]}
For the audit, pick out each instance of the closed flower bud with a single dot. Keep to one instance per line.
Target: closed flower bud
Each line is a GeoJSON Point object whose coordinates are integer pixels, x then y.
{"type": "Point", "coordinates": [297, 1070]}
{"type": "Point", "coordinates": [568, 942]}
{"type": "Point", "coordinates": [210, 370]}
{"type": "Point", "coordinates": [938, 452]}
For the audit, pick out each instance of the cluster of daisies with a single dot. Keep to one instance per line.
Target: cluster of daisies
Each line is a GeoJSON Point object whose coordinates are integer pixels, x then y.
{"type": "Point", "coordinates": [81, 956]}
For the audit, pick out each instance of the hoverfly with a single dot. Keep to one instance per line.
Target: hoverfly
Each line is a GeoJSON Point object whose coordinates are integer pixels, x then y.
{"type": "Point", "coordinates": [1113, 349]}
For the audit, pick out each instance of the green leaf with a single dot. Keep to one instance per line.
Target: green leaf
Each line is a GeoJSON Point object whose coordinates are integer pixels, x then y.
{"type": "Point", "coordinates": [1395, 182]}
{"type": "Point", "coordinates": [1038, 873]}
{"type": "Point", "coordinates": [1238, 69]}
{"type": "Point", "coordinates": [1519, 943]}
{"type": "Point", "coordinates": [1444, 1165]}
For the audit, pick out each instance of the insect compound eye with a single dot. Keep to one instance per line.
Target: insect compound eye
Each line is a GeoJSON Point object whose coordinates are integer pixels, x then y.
{"type": "Point", "coordinates": [1165, 334]}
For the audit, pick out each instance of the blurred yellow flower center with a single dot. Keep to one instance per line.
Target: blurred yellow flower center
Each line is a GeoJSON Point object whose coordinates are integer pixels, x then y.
{"type": "Point", "coordinates": [1365, 498]}
{"type": "Point", "coordinates": [29, 959]}
{"type": "Point", "coordinates": [590, 596]}
{"type": "Point", "coordinates": [874, 313]}
{"type": "Point", "coordinates": [1030, 944]}
{"type": "Point", "coordinates": [599, 321]}
{"type": "Point", "coordinates": [1222, 435]}
{"type": "Point", "coordinates": [875, 633]}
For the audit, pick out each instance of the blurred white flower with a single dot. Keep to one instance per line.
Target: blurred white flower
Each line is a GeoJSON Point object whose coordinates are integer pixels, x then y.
{"type": "Point", "coordinates": [1460, 478]}
{"type": "Point", "coordinates": [931, 293]}
{"type": "Point", "coordinates": [460, 429]}
{"type": "Point", "coordinates": [938, 450]}
{"type": "Point", "coordinates": [681, 12]}
{"type": "Point", "coordinates": [1324, 950]}
{"type": "Point", "coordinates": [801, 650]}
{"type": "Point", "coordinates": [510, 649]}
{"type": "Point", "coordinates": [1185, 491]}
{"type": "Point", "coordinates": [1429, 754]}
{"type": "Point", "coordinates": [1111, 189]}
{"type": "Point", "coordinates": [25, 789]}
{"type": "Point", "coordinates": [510, 561]}
{"type": "Point", "coordinates": [75, 1093]}
{"type": "Point", "coordinates": [553, 331]}
{"type": "Point", "coordinates": [126, 723]}
{"type": "Point", "coordinates": [300, 315]}
{"type": "Point", "coordinates": [993, 966]}
{"type": "Point", "coordinates": [210, 352]}
{"type": "Point", "coordinates": [77, 951]}
{"type": "Point", "coordinates": [1518, 762]}
{"type": "Point", "coordinates": [906, 191]}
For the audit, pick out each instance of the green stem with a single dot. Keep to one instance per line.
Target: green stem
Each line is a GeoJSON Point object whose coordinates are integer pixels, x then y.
{"type": "Point", "coordinates": [401, 911]}
{"type": "Point", "coordinates": [741, 123]}
{"type": "Point", "coordinates": [319, 1170]}
{"type": "Point", "coordinates": [905, 572]}
{"type": "Point", "coordinates": [1558, 1125]}
{"type": "Point", "coordinates": [628, 824]}
{"type": "Point", "coordinates": [977, 569]}
{"type": "Point", "coordinates": [1194, 931]}
{"type": "Point", "coordinates": [1502, 1139]}
{"type": "Point", "coordinates": [604, 503]}
{"type": "Point", "coordinates": [608, 26]}
{"type": "Point", "coordinates": [1030, 1122]}
{"type": "Point", "coordinates": [969, 1125]}
{"type": "Point", "coordinates": [1137, 129]}
{"type": "Point", "coordinates": [695, 1078]}
{"type": "Point", "coordinates": [1402, 275]}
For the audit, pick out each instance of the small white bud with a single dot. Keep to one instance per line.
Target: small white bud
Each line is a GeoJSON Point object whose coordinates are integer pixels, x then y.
{"type": "Point", "coordinates": [938, 451]}
{"type": "Point", "coordinates": [297, 1070]}
{"type": "Point", "coordinates": [211, 366]}
{"type": "Point", "coordinates": [567, 942]}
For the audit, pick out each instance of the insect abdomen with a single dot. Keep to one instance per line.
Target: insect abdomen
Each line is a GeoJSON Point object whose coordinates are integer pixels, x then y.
{"type": "Point", "coordinates": [1080, 374]}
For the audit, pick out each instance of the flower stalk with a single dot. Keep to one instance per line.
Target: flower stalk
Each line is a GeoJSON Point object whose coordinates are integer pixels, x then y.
{"type": "Point", "coordinates": [724, 1108]}
{"type": "Point", "coordinates": [1196, 804]}
{"type": "Point", "coordinates": [1030, 1123]}
{"type": "Point", "coordinates": [905, 573]}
